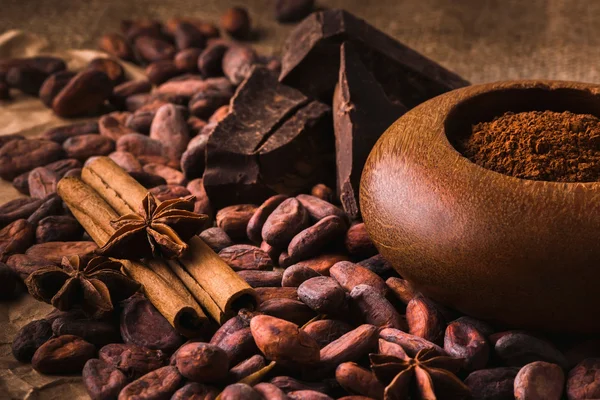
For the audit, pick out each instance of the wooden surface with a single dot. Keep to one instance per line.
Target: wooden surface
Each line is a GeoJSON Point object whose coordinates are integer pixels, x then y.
{"type": "Point", "coordinates": [482, 40]}
{"type": "Point", "coordinates": [518, 252]}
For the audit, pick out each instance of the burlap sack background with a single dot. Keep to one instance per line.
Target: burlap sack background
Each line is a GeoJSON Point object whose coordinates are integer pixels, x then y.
{"type": "Point", "coordinates": [482, 40]}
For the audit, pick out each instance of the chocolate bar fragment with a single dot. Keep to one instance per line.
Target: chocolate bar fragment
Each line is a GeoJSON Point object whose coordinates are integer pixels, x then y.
{"type": "Point", "coordinates": [311, 60]}
{"type": "Point", "coordinates": [361, 113]}
{"type": "Point", "coordinates": [275, 140]}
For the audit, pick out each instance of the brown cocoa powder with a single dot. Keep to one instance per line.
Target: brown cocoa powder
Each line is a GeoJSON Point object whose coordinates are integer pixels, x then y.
{"type": "Point", "coordinates": [538, 145]}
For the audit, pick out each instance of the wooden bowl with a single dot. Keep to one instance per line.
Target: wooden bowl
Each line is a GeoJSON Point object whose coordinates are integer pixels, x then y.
{"type": "Point", "coordinates": [518, 252]}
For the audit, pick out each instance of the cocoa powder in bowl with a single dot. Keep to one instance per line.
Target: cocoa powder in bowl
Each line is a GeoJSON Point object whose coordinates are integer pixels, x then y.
{"type": "Point", "coordinates": [538, 145]}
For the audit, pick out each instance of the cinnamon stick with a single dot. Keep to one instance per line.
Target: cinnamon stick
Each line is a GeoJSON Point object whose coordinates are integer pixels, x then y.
{"type": "Point", "coordinates": [212, 282]}
{"type": "Point", "coordinates": [164, 290]}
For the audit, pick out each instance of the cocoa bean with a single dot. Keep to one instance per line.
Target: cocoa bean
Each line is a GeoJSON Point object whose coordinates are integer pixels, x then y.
{"type": "Point", "coordinates": [236, 22]}
{"type": "Point", "coordinates": [293, 11]}
{"type": "Point", "coordinates": [55, 251]}
{"type": "Point", "coordinates": [516, 349]}
{"type": "Point", "coordinates": [136, 102]}
{"type": "Point", "coordinates": [187, 36]}
{"type": "Point", "coordinates": [349, 347]}
{"type": "Point", "coordinates": [326, 331]}
{"type": "Point", "coordinates": [358, 242]}
{"type": "Point", "coordinates": [323, 294]}
{"type": "Point", "coordinates": [402, 289]}
{"type": "Point", "coordinates": [293, 311]}
{"type": "Point", "coordinates": [187, 60]}
{"type": "Point", "coordinates": [322, 263]}
{"type": "Point", "coordinates": [359, 380]}
{"type": "Point", "coordinates": [126, 160]}
{"type": "Point", "coordinates": [61, 167]}
{"type": "Point", "coordinates": [171, 175]}
{"type": "Point", "coordinates": [202, 362]}
{"type": "Point", "coordinates": [169, 192]}
{"type": "Point", "coordinates": [218, 115]}
{"type": "Point", "coordinates": [270, 392]}
{"type": "Point", "coordinates": [151, 181]}
{"type": "Point", "coordinates": [58, 228]}
{"type": "Point", "coordinates": [26, 78]}
{"type": "Point", "coordinates": [285, 222]}
{"type": "Point", "coordinates": [582, 382]}
{"type": "Point", "coordinates": [153, 49]}
{"type": "Point", "coordinates": [463, 340]}
{"type": "Point", "coordinates": [102, 381]}
{"type": "Point", "coordinates": [379, 265]}
{"type": "Point", "coordinates": [97, 332]}
{"type": "Point", "coordinates": [187, 86]}
{"type": "Point", "coordinates": [425, 319]}
{"type": "Point", "coordinates": [288, 384]}
{"type": "Point", "coordinates": [323, 192]}
{"type": "Point", "coordinates": [139, 145]}
{"type": "Point", "coordinates": [169, 128]}
{"type": "Point", "coordinates": [134, 361]}
{"type": "Point", "coordinates": [318, 208]}
{"type": "Point", "coordinates": [308, 395]}
{"type": "Point", "coordinates": [211, 59]}
{"type": "Point", "coordinates": [18, 209]}
{"type": "Point", "coordinates": [246, 368]}
{"type": "Point", "coordinates": [159, 384]}
{"type": "Point", "coordinates": [202, 205]}
{"type": "Point", "coordinates": [216, 238]}
{"type": "Point", "coordinates": [18, 156]}
{"type": "Point", "coordinates": [350, 275]}
{"type": "Point", "coordinates": [143, 325]}
{"type": "Point", "coordinates": [237, 63]}
{"type": "Point", "coordinates": [61, 133]}
{"type": "Point", "coordinates": [9, 138]}
{"type": "Point", "coordinates": [375, 309]}
{"type": "Point", "coordinates": [111, 126]}
{"type": "Point", "coordinates": [239, 391]}
{"type": "Point", "coordinates": [492, 384]}
{"type": "Point", "coordinates": [83, 147]}
{"type": "Point", "coordinates": [141, 27]}
{"type": "Point", "coordinates": [84, 94]}
{"type": "Point", "coordinates": [196, 391]}
{"type": "Point", "coordinates": [116, 45]}
{"type": "Point", "coordinates": [311, 240]}
{"type": "Point", "coordinates": [280, 340]}
{"type": "Point", "coordinates": [267, 293]}
{"type": "Point", "coordinates": [16, 238]}
{"type": "Point", "coordinates": [284, 260]}
{"type": "Point", "coordinates": [230, 326]}
{"type": "Point", "coordinates": [196, 125]}
{"type": "Point", "coordinates": [234, 219]}
{"type": "Point", "coordinates": [62, 355]}
{"type": "Point", "coordinates": [111, 68]}
{"type": "Point", "coordinates": [410, 344]}
{"type": "Point", "coordinates": [245, 257]}
{"type": "Point", "coordinates": [258, 219]}
{"type": "Point", "coordinates": [51, 205]}
{"type": "Point", "coordinates": [53, 85]}
{"type": "Point", "coordinates": [25, 265]}
{"type": "Point", "coordinates": [21, 183]}
{"type": "Point", "coordinates": [539, 381]}
{"type": "Point", "coordinates": [261, 278]}
{"type": "Point", "coordinates": [42, 182]}
{"type": "Point", "coordinates": [29, 338]}
{"type": "Point", "coordinates": [238, 345]}
{"type": "Point", "coordinates": [273, 252]}
{"type": "Point", "coordinates": [204, 104]}
{"type": "Point", "coordinates": [124, 90]}
{"type": "Point", "coordinates": [161, 71]}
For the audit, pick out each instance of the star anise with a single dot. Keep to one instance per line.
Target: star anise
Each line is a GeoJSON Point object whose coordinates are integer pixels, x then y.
{"type": "Point", "coordinates": [157, 230]}
{"type": "Point", "coordinates": [427, 376]}
{"type": "Point", "coordinates": [80, 282]}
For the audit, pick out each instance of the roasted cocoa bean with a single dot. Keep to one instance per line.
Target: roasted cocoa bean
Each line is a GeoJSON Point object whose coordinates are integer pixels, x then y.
{"type": "Point", "coordinates": [239, 391]}
{"type": "Point", "coordinates": [379, 266]}
{"type": "Point", "coordinates": [402, 289]}
{"type": "Point", "coordinates": [84, 94]}
{"type": "Point", "coordinates": [18, 156]}
{"type": "Point", "coordinates": [111, 68]}
{"type": "Point", "coordinates": [245, 257]}
{"type": "Point", "coordinates": [261, 278]}
{"type": "Point", "coordinates": [110, 125]}
{"type": "Point", "coordinates": [141, 27]}
{"type": "Point", "coordinates": [230, 326]}
{"type": "Point", "coordinates": [516, 349]}
{"type": "Point", "coordinates": [308, 395]}
{"type": "Point", "coordinates": [322, 263]}
{"type": "Point", "coordinates": [18, 209]}
{"type": "Point", "coordinates": [171, 175]}
{"type": "Point", "coordinates": [280, 340]}
{"type": "Point", "coordinates": [187, 36]}
{"type": "Point", "coordinates": [204, 104]}
{"type": "Point", "coordinates": [425, 319]}
{"type": "Point", "coordinates": [211, 59]}
{"type": "Point", "coordinates": [51, 205]}
{"type": "Point", "coordinates": [285, 222]}
{"type": "Point", "coordinates": [143, 325]}
{"type": "Point", "coordinates": [168, 192]}
{"type": "Point", "coordinates": [97, 332]}
{"type": "Point", "coordinates": [234, 219]}
{"type": "Point", "coordinates": [134, 361]}
{"type": "Point", "coordinates": [202, 205]}
{"type": "Point", "coordinates": [21, 183]}
{"type": "Point", "coordinates": [358, 242]}
{"type": "Point", "coordinates": [236, 22]}
{"type": "Point", "coordinates": [42, 182]}
{"type": "Point", "coordinates": [582, 382]}
{"type": "Point", "coordinates": [349, 347]}
{"type": "Point", "coordinates": [318, 208]}
{"type": "Point", "coordinates": [126, 160]}
{"type": "Point", "coordinates": [539, 381]}
{"type": "Point", "coordinates": [238, 345]}
{"type": "Point", "coordinates": [216, 238]}
{"type": "Point", "coordinates": [187, 86]}
{"type": "Point", "coordinates": [359, 380]}
{"type": "Point", "coordinates": [101, 380]}
{"type": "Point", "coordinates": [139, 145]}
{"type": "Point", "coordinates": [258, 219]}
{"type": "Point", "coordinates": [29, 338]}
{"type": "Point", "coordinates": [288, 384]}
{"type": "Point", "coordinates": [159, 384]}
{"type": "Point", "coordinates": [26, 78]}
{"type": "Point", "coordinates": [187, 60]}
{"type": "Point", "coordinates": [284, 260]}
{"type": "Point", "coordinates": [153, 49]}
{"type": "Point", "coordinates": [126, 89]}
{"type": "Point", "coordinates": [196, 125]}
{"type": "Point", "coordinates": [53, 85]}
{"type": "Point", "coordinates": [24, 265]}
{"type": "Point", "coordinates": [311, 240]}
{"type": "Point", "coordinates": [196, 391]}
{"type": "Point", "coordinates": [55, 251]}
{"type": "Point", "coordinates": [290, 310]}
{"type": "Point", "coordinates": [62, 355]}
{"type": "Point", "coordinates": [267, 293]}
{"type": "Point", "coordinates": [62, 166]}
{"type": "Point", "coordinates": [483, 327]}
{"type": "Point", "coordinates": [61, 133]}
{"type": "Point", "coordinates": [463, 340]}
{"type": "Point", "coordinates": [492, 384]}
{"type": "Point", "coordinates": [237, 63]}
{"type": "Point", "coordinates": [9, 138]}
{"type": "Point", "coordinates": [58, 228]}
{"type": "Point", "coordinates": [374, 308]}
{"type": "Point", "coordinates": [273, 252]}
{"type": "Point", "coordinates": [292, 11]}
{"type": "Point", "coordinates": [16, 237]}
{"type": "Point", "coordinates": [169, 128]}
{"type": "Point", "coordinates": [410, 344]}
{"type": "Point", "coordinates": [350, 275]}
{"type": "Point", "coordinates": [326, 331]}
{"type": "Point", "coordinates": [323, 294]}
{"type": "Point", "coordinates": [270, 392]}
{"type": "Point", "coordinates": [202, 362]}
{"type": "Point", "coordinates": [218, 116]}
{"type": "Point", "coordinates": [116, 45]}
{"type": "Point", "coordinates": [83, 147]}
{"type": "Point", "coordinates": [246, 368]}
{"type": "Point", "coordinates": [161, 71]}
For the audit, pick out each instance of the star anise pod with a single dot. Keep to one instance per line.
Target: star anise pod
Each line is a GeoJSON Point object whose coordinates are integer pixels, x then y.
{"type": "Point", "coordinates": [427, 376]}
{"type": "Point", "coordinates": [80, 282]}
{"type": "Point", "coordinates": [157, 230]}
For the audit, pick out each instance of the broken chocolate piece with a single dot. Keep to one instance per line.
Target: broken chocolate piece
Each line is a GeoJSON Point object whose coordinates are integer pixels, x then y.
{"type": "Point", "coordinates": [274, 140]}
{"type": "Point", "coordinates": [311, 63]}
{"type": "Point", "coordinates": [362, 112]}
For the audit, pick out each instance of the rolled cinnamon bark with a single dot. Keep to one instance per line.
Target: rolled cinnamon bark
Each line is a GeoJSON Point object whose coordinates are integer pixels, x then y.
{"type": "Point", "coordinates": [211, 281]}
{"type": "Point", "coordinates": [164, 290]}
